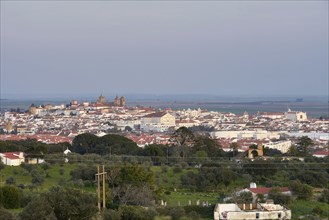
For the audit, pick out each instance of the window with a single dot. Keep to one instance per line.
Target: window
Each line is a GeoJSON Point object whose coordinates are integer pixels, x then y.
{"type": "Point", "coordinates": [257, 215]}
{"type": "Point", "coordinates": [279, 215]}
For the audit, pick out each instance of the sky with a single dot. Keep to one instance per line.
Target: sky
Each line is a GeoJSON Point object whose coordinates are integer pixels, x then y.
{"type": "Point", "coordinates": [239, 48]}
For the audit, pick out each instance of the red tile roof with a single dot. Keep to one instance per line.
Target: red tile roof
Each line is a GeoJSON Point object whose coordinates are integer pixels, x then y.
{"type": "Point", "coordinates": [11, 155]}
{"type": "Point", "coordinates": [265, 190]}
{"type": "Point", "coordinates": [321, 152]}
{"type": "Point", "coordinates": [155, 115]}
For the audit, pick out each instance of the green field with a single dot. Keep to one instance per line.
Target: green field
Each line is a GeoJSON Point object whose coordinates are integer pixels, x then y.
{"type": "Point", "coordinates": [304, 208]}
{"type": "Point", "coordinates": [166, 177]}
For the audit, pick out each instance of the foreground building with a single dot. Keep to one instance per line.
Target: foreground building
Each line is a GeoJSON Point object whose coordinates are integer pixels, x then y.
{"type": "Point", "coordinates": [251, 211]}
{"type": "Point", "coordinates": [12, 158]}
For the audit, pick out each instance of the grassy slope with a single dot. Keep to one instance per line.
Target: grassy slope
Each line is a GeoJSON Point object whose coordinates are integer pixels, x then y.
{"type": "Point", "coordinates": [169, 180]}
{"type": "Point", "coordinates": [302, 208]}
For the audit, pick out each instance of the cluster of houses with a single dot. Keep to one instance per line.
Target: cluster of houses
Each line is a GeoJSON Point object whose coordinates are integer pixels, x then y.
{"type": "Point", "coordinates": [61, 123]}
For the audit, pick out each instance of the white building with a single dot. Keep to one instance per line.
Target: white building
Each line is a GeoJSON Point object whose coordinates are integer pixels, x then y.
{"type": "Point", "coordinates": [12, 158]}
{"type": "Point", "coordinates": [186, 123]}
{"type": "Point", "coordinates": [251, 211]}
{"type": "Point", "coordinates": [282, 146]}
{"type": "Point", "coordinates": [296, 116]}
{"type": "Point", "coordinates": [272, 115]}
{"type": "Point", "coordinates": [159, 122]}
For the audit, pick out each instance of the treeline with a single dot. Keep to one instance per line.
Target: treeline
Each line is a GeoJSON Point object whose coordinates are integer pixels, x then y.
{"type": "Point", "coordinates": [186, 147]}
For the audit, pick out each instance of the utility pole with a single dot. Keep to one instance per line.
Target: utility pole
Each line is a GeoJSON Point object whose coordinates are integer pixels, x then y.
{"type": "Point", "coordinates": [104, 174]}
{"type": "Point", "coordinates": [100, 176]}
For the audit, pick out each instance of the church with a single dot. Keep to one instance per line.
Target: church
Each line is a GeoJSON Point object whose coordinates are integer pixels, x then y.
{"type": "Point", "coordinates": [117, 102]}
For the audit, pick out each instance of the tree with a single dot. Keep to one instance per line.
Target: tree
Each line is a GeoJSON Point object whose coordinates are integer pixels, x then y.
{"type": "Point", "coordinates": [10, 197]}
{"type": "Point", "coordinates": [38, 208]}
{"type": "Point", "coordinates": [207, 144]}
{"type": "Point", "coordinates": [260, 169]}
{"type": "Point", "coordinates": [201, 156]}
{"type": "Point", "coordinates": [278, 197]}
{"type": "Point", "coordinates": [37, 178]}
{"type": "Point", "coordinates": [234, 146]}
{"type": "Point", "coordinates": [84, 172]}
{"type": "Point", "coordinates": [156, 152]}
{"type": "Point", "coordinates": [243, 197]}
{"type": "Point", "coordinates": [61, 203]}
{"type": "Point", "coordinates": [108, 144]}
{"type": "Point", "coordinates": [302, 191]}
{"type": "Point", "coordinates": [303, 144]}
{"type": "Point", "coordinates": [183, 136]}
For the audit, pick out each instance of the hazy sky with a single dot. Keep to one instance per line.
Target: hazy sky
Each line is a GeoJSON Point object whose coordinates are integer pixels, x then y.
{"type": "Point", "coordinates": [164, 47]}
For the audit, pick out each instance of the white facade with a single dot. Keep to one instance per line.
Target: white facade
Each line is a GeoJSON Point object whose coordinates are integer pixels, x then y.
{"type": "Point", "coordinates": [12, 158]}
{"type": "Point", "coordinates": [282, 146]}
{"type": "Point", "coordinates": [296, 116]}
{"type": "Point", "coordinates": [258, 135]}
{"type": "Point", "coordinates": [158, 122]}
{"type": "Point", "coordinates": [251, 211]}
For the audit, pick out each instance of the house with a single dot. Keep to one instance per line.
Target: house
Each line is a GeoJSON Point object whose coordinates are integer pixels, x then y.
{"type": "Point", "coordinates": [265, 191]}
{"type": "Point", "coordinates": [282, 146]}
{"type": "Point", "coordinates": [12, 158]}
{"type": "Point", "coordinates": [251, 211]}
{"type": "Point", "coordinates": [256, 191]}
{"type": "Point", "coordinates": [272, 115]}
{"type": "Point", "coordinates": [321, 153]}
{"type": "Point", "coordinates": [159, 122]}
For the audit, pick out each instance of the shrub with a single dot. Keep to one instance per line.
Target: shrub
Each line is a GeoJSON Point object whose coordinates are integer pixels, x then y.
{"type": "Point", "coordinates": [317, 210]}
{"type": "Point", "coordinates": [10, 197]}
{"type": "Point", "coordinates": [4, 214]}
{"type": "Point", "coordinates": [324, 196]}
{"type": "Point", "coordinates": [27, 167]}
{"type": "Point", "coordinates": [177, 169]}
{"type": "Point", "coordinates": [111, 214]}
{"type": "Point", "coordinates": [61, 171]}
{"type": "Point", "coordinates": [302, 191]}
{"type": "Point", "coordinates": [176, 213]}
{"type": "Point", "coordinates": [37, 179]}
{"type": "Point", "coordinates": [10, 181]}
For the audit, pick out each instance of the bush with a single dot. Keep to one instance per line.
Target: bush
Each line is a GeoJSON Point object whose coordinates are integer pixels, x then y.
{"type": "Point", "coordinates": [4, 214]}
{"type": "Point", "coordinates": [177, 169]}
{"type": "Point", "coordinates": [45, 166]}
{"type": "Point", "coordinates": [37, 179]}
{"type": "Point", "coordinates": [10, 197]}
{"type": "Point", "coordinates": [176, 213]}
{"type": "Point", "coordinates": [164, 169]}
{"type": "Point", "coordinates": [61, 171]}
{"type": "Point", "coordinates": [278, 197]}
{"type": "Point", "coordinates": [84, 172]}
{"type": "Point", "coordinates": [302, 191]}
{"type": "Point", "coordinates": [10, 181]}
{"type": "Point", "coordinates": [27, 167]}
{"type": "Point", "coordinates": [61, 203]}
{"type": "Point", "coordinates": [111, 214]}
{"type": "Point", "coordinates": [324, 196]}
{"type": "Point", "coordinates": [137, 213]}
{"type": "Point", "coordinates": [317, 210]}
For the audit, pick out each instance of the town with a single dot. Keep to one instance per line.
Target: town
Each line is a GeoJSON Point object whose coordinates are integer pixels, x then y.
{"type": "Point", "coordinates": [216, 160]}
{"type": "Point", "coordinates": [146, 125]}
